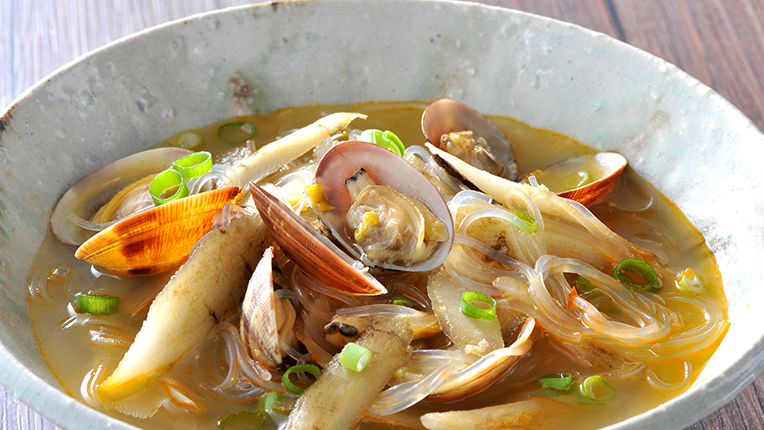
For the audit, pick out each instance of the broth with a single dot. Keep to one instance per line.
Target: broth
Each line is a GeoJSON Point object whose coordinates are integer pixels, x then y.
{"type": "Point", "coordinates": [80, 350]}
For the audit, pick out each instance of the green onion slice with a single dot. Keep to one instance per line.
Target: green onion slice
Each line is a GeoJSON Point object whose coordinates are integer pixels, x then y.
{"type": "Point", "coordinates": [355, 357]}
{"type": "Point", "coordinates": [386, 138]}
{"type": "Point", "coordinates": [307, 367]}
{"type": "Point", "coordinates": [689, 282]}
{"type": "Point", "coordinates": [249, 420]}
{"type": "Point", "coordinates": [556, 381]}
{"type": "Point", "coordinates": [267, 401]}
{"type": "Point", "coordinates": [189, 139]}
{"type": "Point", "coordinates": [596, 388]}
{"type": "Point", "coordinates": [471, 311]}
{"type": "Point", "coordinates": [402, 301]}
{"type": "Point", "coordinates": [236, 132]}
{"type": "Point", "coordinates": [633, 266]}
{"type": "Point", "coordinates": [96, 304]}
{"type": "Point", "coordinates": [194, 165]}
{"type": "Point", "coordinates": [167, 186]}
{"type": "Point", "coordinates": [584, 285]}
{"type": "Point", "coordinates": [526, 224]}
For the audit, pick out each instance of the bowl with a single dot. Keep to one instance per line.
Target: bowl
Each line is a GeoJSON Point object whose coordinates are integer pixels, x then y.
{"type": "Point", "coordinates": [128, 96]}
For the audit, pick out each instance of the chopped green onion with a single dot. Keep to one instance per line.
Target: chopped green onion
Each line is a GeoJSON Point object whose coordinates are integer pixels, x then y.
{"type": "Point", "coordinates": [386, 138]}
{"type": "Point", "coordinates": [584, 285]}
{"type": "Point", "coordinates": [471, 311]}
{"type": "Point", "coordinates": [307, 367]}
{"type": "Point", "coordinates": [194, 165]}
{"type": "Point", "coordinates": [634, 266]}
{"type": "Point", "coordinates": [355, 357]}
{"type": "Point", "coordinates": [576, 180]}
{"type": "Point", "coordinates": [189, 139]}
{"type": "Point", "coordinates": [689, 282]}
{"type": "Point", "coordinates": [248, 420]}
{"type": "Point", "coordinates": [169, 181]}
{"type": "Point", "coordinates": [526, 224]}
{"type": "Point", "coordinates": [236, 132]}
{"type": "Point", "coordinates": [267, 401]}
{"type": "Point", "coordinates": [96, 304]}
{"type": "Point", "coordinates": [402, 301]}
{"type": "Point", "coordinates": [556, 381]}
{"type": "Point", "coordinates": [596, 388]}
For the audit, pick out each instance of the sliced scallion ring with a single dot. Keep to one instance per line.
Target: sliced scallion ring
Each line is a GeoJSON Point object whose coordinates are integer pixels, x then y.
{"type": "Point", "coordinates": [556, 381]}
{"type": "Point", "coordinates": [189, 139]}
{"type": "Point", "coordinates": [584, 285]}
{"type": "Point", "coordinates": [355, 357]}
{"type": "Point", "coordinates": [236, 132]}
{"type": "Point", "coordinates": [386, 138]}
{"type": "Point", "coordinates": [194, 165]}
{"type": "Point", "coordinates": [596, 388]}
{"type": "Point", "coordinates": [526, 224]}
{"type": "Point", "coordinates": [634, 266]}
{"type": "Point", "coordinates": [96, 304]}
{"type": "Point", "coordinates": [307, 367]}
{"type": "Point", "coordinates": [472, 311]}
{"type": "Point", "coordinates": [402, 301]}
{"type": "Point", "coordinates": [167, 186]}
{"type": "Point", "coordinates": [243, 420]}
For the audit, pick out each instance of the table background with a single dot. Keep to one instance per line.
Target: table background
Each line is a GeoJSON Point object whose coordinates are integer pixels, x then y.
{"type": "Point", "coordinates": [719, 42]}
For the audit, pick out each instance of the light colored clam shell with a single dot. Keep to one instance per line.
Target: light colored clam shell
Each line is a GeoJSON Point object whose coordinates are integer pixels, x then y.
{"type": "Point", "coordinates": [315, 254]}
{"type": "Point", "coordinates": [157, 239]}
{"type": "Point", "coordinates": [385, 168]}
{"type": "Point", "coordinates": [258, 327]}
{"type": "Point", "coordinates": [446, 116]}
{"type": "Point", "coordinates": [97, 188]}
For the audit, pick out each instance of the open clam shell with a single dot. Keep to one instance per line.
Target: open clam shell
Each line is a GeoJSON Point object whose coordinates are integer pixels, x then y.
{"type": "Point", "coordinates": [597, 171]}
{"type": "Point", "coordinates": [94, 190]}
{"type": "Point", "coordinates": [445, 116]}
{"type": "Point", "coordinates": [157, 239]}
{"type": "Point", "coordinates": [315, 254]}
{"type": "Point", "coordinates": [385, 168]}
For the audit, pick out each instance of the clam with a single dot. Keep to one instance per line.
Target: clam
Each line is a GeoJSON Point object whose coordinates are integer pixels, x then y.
{"type": "Point", "coordinates": [466, 133]}
{"type": "Point", "coordinates": [411, 228]}
{"type": "Point", "coordinates": [84, 199]}
{"type": "Point", "coordinates": [157, 239]}
{"type": "Point", "coordinates": [314, 253]}
{"type": "Point", "coordinates": [585, 179]}
{"type": "Point", "coordinates": [264, 318]}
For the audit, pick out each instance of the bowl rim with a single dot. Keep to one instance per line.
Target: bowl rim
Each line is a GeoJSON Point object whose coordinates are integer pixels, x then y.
{"type": "Point", "coordinates": [38, 394]}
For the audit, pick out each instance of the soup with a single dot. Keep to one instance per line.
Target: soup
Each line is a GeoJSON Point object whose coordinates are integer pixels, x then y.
{"type": "Point", "coordinates": [507, 306]}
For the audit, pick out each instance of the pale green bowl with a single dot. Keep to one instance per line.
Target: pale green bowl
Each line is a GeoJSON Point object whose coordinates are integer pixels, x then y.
{"type": "Point", "coordinates": [693, 145]}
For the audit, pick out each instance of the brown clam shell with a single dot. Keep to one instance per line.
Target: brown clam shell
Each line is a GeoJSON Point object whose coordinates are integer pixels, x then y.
{"type": "Point", "coordinates": [612, 163]}
{"type": "Point", "coordinates": [302, 244]}
{"type": "Point", "coordinates": [157, 239]}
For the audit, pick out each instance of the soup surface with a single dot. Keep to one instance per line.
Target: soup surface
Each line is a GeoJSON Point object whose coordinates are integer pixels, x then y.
{"type": "Point", "coordinates": [83, 350]}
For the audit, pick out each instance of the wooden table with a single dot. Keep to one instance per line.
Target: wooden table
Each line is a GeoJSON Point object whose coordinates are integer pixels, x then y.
{"type": "Point", "coordinates": [717, 41]}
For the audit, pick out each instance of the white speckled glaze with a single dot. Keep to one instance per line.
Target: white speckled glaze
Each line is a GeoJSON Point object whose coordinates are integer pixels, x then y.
{"type": "Point", "coordinates": [132, 94]}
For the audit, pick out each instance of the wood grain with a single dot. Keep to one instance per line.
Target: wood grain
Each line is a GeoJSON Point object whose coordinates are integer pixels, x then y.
{"type": "Point", "coordinates": [721, 43]}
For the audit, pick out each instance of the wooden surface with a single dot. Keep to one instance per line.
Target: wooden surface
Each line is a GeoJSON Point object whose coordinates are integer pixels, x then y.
{"type": "Point", "coordinates": [719, 42]}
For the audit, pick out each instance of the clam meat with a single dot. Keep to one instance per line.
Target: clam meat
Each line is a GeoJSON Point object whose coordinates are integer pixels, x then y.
{"type": "Point", "coordinates": [469, 135]}
{"type": "Point", "coordinates": [383, 210]}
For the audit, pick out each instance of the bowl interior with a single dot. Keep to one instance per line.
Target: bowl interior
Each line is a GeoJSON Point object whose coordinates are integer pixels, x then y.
{"type": "Point", "coordinates": [128, 96]}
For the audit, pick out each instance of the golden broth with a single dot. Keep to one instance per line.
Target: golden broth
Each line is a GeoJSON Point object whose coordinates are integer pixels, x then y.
{"type": "Point", "coordinates": [74, 352]}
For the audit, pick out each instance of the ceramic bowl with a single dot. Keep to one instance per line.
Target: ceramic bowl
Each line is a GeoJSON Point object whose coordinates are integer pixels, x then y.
{"type": "Point", "coordinates": [132, 94]}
